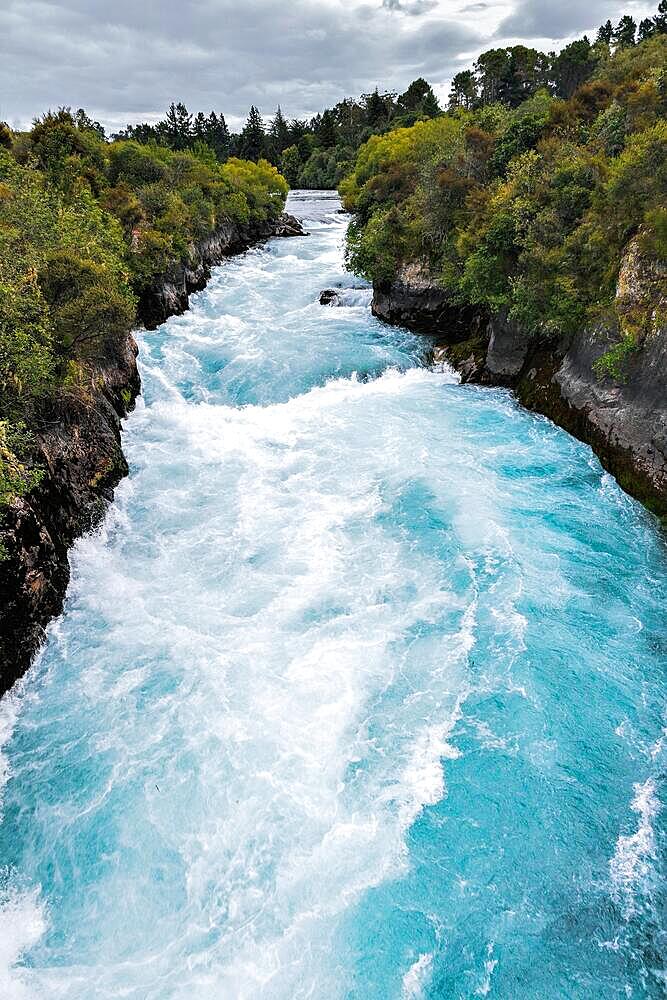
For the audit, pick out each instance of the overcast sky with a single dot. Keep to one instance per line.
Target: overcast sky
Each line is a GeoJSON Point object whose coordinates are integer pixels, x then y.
{"type": "Point", "coordinates": [126, 60]}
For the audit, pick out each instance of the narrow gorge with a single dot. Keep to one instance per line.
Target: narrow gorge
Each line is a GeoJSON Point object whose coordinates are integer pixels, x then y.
{"type": "Point", "coordinates": [358, 690]}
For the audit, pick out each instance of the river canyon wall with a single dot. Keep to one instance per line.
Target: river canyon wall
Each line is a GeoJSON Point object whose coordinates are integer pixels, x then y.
{"type": "Point", "coordinates": [621, 414]}
{"type": "Point", "coordinates": [78, 447]}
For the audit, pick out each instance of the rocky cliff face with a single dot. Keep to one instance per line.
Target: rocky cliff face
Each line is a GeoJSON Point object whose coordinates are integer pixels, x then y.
{"type": "Point", "coordinates": [170, 296]}
{"type": "Point", "coordinates": [414, 300]}
{"type": "Point", "coordinates": [78, 445]}
{"type": "Point", "coordinates": [621, 413]}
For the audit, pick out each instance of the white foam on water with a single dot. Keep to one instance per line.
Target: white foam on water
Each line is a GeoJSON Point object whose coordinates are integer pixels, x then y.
{"type": "Point", "coordinates": [631, 867]}
{"type": "Point", "coordinates": [490, 964]}
{"type": "Point", "coordinates": [22, 921]}
{"type": "Point", "coordinates": [22, 924]}
{"type": "Point", "coordinates": [9, 711]}
{"type": "Point", "coordinates": [416, 978]}
{"type": "Point", "coordinates": [266, 649]}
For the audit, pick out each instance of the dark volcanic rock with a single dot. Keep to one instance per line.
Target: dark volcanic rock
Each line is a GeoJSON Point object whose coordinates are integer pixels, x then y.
{"type": "Point", "coordinates": [329, 297]}
{"type": "Point", "coordinates": [78, 444]}
{"type": "Point", "coordinates": [508, 349]}
{"type": "Point", "coordinates": [623, 418]}
{"type": "Point", "coordinates": [416, 301]}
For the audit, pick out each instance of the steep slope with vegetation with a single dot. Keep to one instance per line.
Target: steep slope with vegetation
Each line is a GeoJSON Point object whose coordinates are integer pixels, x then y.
{"type": "Point", "coordinates": [94, 237]}
{"type": "Point", "coordinates": [527, 227]}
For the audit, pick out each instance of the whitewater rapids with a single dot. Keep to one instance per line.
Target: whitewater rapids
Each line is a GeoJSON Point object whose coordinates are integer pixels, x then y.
{"type": "Point", "coordinates": [359, 692]}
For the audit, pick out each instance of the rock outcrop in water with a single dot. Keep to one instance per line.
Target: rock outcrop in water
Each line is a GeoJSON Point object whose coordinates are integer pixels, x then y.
{"type": "Point", "coordinates": [79, 448]}
{"type": "Point", "coordinates": [621, 414]}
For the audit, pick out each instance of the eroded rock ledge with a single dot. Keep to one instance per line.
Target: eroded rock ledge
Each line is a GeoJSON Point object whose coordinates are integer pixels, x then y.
{"type": "Point", "coordinates": [78, 444]}
{"type": "Point", "coordinates": [623, 417]}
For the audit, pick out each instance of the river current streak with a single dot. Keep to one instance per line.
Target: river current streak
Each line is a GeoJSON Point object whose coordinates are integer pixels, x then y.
{"type": "Point", "coordinates": [359, 692]}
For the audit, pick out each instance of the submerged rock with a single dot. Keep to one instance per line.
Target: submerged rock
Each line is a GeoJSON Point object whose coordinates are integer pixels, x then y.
{"type": "Point", "coordinates": [357, 295]}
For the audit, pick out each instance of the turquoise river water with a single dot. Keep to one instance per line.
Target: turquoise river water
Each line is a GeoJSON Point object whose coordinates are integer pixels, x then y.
{"type": "Point", "coordinates": [359, 693]}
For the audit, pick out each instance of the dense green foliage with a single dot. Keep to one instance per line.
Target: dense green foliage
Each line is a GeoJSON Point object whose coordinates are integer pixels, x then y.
{"type": "Point", "coordinates": [314, 154]}
{"type": "Point", "coordinates": [85, 226]}
{"type": "Point", "coordinates": [526, 204]}
{"type": "Point", "coordinates": [320, 152]}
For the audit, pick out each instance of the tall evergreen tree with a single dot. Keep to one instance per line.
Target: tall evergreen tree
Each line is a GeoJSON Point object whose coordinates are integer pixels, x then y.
{"type": "Point", "coordinates": [376, 109]}
{"type": "Point", "coordinates": [217, 136]}
{"type": "Point", "coordinates": [279, 131]}
{"type": "Point", "coordinates": [660, 19]}
{"type": "Point", "coordinates": [200, 127]}
{"type": "Point", "coordinates": [176, 129]}
{"type": "Point", "coordinates": [646, 29]}
{"type": "Point", "coordinates": [624, 35]}
{"type": "Point", "coordinates": [419, 99]}
{"type": "Point", "coordinates": [492, 68]}
{"type": "Point", "coordinates": [464, 92]}
{"type": "Point", "coordinates": [252, 141]}
{"type": "Point", "coordinates": [572, 66]}
{"type": "Point", "coordinates": [605, 33]}
{"type": "Point", "coordinates": [326, 130]}
{"type": "Point", "coordinates": [430, 106]}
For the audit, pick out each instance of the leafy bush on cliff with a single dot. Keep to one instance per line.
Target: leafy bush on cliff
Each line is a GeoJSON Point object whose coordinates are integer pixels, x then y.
{"type": "Point", "coordinates": [525, 208]}
{"type": "Point", "coordinates": [85, 226]}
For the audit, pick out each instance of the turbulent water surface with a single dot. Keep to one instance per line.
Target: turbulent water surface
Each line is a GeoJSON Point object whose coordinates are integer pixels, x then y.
{"type": "Point", "coordinates": [359, 692]}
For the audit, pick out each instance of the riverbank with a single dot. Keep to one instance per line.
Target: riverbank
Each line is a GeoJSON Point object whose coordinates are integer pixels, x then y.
{"type": "Point", "coordinates": [79, 448]}
{"type": "Point", "coordinates": [622, 416]}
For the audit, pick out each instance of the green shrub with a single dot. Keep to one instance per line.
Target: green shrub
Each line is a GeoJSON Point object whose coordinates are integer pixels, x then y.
{"type": "Point", "coordinates": [529, 208]}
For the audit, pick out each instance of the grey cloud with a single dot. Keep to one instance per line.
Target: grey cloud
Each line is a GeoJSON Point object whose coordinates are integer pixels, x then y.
{"type": "Point", "coordinates": [546, 19]}
{"type": "Point", "coordinates": [126, 61]}
{"type": "Point", "coordinates": [413, 7]}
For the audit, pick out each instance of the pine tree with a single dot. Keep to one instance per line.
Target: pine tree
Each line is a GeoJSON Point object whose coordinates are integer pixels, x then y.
{"type": "Point", "coordinates": [419, 99]}
{"type": "Point", "coordinates": [176, 129]}
{"type": "Point", "coordinates": [624, 35]}
{"type": "Point", "coordinates": [646, 29]}
{"type": "Point", "coordinates": [430, 107]}
{"type": "Point", "coordinates": [572, 66]}
{"type": "Point", "coordinates": [376, 109]}
{"type": "Point", "coordinates": [252, 141]}
{"type": "Point", "coordinates": [279, 131]}
{"type": "Point", "coordinates": [605, 33]}
{"type": "Point", "coordinates": [218, 137]}
{"type": "Point", "coordinates": [200, 127]}
{"type": "Point", "coordinates": [463, 93]}
{"type": "Point", "coordinates": [326, 130]}
{"type": "Point", "coordinates": [492, 68]}
{"type": "Point", "coordinates": [660, 19]}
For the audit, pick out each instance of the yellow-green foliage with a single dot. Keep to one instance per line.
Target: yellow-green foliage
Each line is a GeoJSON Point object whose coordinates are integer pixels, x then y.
{"type": "Point", "coordinates": [166, 200]}
{"type": "Point", "coordinates": [41, 230]}
{"type": "Point", "coordinates": [16, 479]}
{"type": "Point", "coordinates": [85, 226]}
{"type": "Point", "coordinates": [527, 209]}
